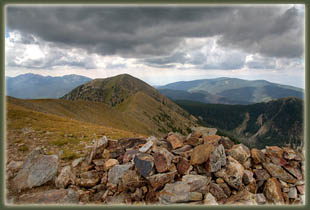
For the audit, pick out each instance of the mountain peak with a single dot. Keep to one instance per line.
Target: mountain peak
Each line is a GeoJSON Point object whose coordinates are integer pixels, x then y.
{"type": "Point", "coordinates": [112, 90]}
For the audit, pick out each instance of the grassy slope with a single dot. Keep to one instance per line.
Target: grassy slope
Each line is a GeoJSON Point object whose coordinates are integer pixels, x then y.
{"type": "Point", "coordinates": [54, 132]}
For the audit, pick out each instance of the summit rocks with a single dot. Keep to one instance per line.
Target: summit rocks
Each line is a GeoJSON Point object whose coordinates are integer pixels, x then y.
{"type": "Point", "coordinates": [199, 169]}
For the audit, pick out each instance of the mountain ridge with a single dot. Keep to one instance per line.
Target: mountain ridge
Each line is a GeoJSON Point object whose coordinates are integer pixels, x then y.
{"type": "Point", "coordinates": [230, 90]}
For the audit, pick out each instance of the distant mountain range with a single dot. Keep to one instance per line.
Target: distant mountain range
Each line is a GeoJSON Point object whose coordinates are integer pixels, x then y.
{"type": "Point", "coordinates": [220, 91]}
{"type": "Point", "coordinates": [277, 122]}
{"type": "Point", "coordinates": [34, 86]}
{"type": "Point", "coordinates": [129, 104]}
{"type": "Point", "coordinates": [229, 91]}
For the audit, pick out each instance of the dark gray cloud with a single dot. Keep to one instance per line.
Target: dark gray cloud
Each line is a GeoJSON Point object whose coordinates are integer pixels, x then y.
{"type": "Point", "coordinates": [145, 32]}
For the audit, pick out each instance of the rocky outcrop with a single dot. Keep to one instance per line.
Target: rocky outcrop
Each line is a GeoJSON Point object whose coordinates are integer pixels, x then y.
{"type": "Point", "coordinates": [202, 169]}
{"type": "Point", "coordinates": [37, 169]}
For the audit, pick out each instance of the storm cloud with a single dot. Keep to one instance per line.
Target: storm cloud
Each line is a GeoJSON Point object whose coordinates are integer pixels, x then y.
{"type": "Point", "coordinates": [140, 32]}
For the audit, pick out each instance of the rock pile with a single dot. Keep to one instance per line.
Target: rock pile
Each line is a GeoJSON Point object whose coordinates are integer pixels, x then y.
{"type": "Point", "coordinates": [202, 168]}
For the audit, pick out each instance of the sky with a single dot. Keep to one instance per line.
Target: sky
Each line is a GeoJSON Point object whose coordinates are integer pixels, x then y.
{"type": "Point", "coordinates": [158, 44]}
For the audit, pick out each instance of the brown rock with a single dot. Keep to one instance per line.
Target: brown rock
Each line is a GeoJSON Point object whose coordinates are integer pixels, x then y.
{"type": "Point", "coordinates": [131, 180]}
{"type": "Point", "coordinates": [110, 163]}
{"type": "Point", "coordinates": [182, 150]}
{"type": "Point", "coordinates": [159, 180]}
{"type": "Point", "coordinates": [203, 131]}
{"type": "Point", "coordinates": [195, 196]}
{"type": "Point", "coordinates": [129, 155]}
{"type": "Point", "coordinates": [93, 174]}
{"type": "Point", "coordinates": [219, 180]}
{"type": "Point", "coordinates": [278, 172]}
{"type": "Point", "coordinates": [99, 162]}
{"type": "Point", "coordinates": [14, 166]}
{"type": "Point", "coordinates": [61, 196]}
{"type": "Point", "coordinates": [275, 153]}
{"type": "Point", "coordinates": [248, 177]}
{"type": "Point", "coordinates": [160, 162]}
{"type": "Point", "coordinates": [226, 188]}
{"type": "Point", "coordinates": [85, 166]}
{"type": "Point", "coordinates": [137, 195]}
{"type": "Point", "coordinates": [226, 142]}
{"type": "Point", "coordinates": [210, 199]}
{"type": "Point", "coordinates": [289, 153]}
{"type": "Point", "coordinates": [234, 173]}
{"type": "Point", "coordinates": [272, 191]}
{"type": "Point", "coordinates": [217, 192]}
{"type": "Point", "coordinates": [240, 152]}
{"type": "Point", "coordinates": [242, 197]}
{"type": "Point", "coordinates": [65, 178]}
{"type": "Point", "coordinates": [261, 174]}
{"type": "Point", "coordinates": [294, 169]}
{"type": "Point", "coordinates": [192, 140]}
{"type": "Point", "coordinates": [183, 166]}
{"type": "Point", "coordinates": [175, 141]}
{"type": "Point", "coordinates": [201, 153]}
{"type": "Point", "coordinates": [257, 156]}
{"type": "Point", "coordinates": [88, 183]}
{"type": "Point", "coordinates": [213, 139]}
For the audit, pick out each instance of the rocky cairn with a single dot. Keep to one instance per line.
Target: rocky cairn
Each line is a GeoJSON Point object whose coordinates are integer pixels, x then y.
{"type": "Point", "coordinates": [201, 168]}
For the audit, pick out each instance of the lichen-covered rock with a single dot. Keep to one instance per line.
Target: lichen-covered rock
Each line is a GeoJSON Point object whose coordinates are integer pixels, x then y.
{"type": "Point", "coordinates": [294, 169]}
{"type": "Point", "coordinates": [278, 172]}
{"type": "Point", "coordinates": [175, 141]}
{"type": "Point", "coordinates": [226, 142]}
{"type": "Point", "coordinates": [65, 177]}
{"type": "Point", "coordinates": [162, 160]}
{"type": "Point", "coordinates": [240, 152]}
{"type": "Point", "coordinates": [275, 153]}
{"type": "Point", "coordinates": [131, 179]}
{"type": "Point", "coordinates": [197, 183]}
{"type": "Point", "coordinates": [272, 191]}
{"type": "Point", "coordinates": [178, 192]}
{"type": "Point", "coordinates": [217, 159]}
{"type": "Point", "coordinates": [234, 173]}
{"type": "Point", "coordinates": [257, 156]}
{"type": "Point", "coordinates": [37, 169]}
{"type": "Point", "coordinates": [217, 192]}
{"type": "Point", "coordinates": [201, 153]}
{"type": "Point", "coordinates": [117, 172]}
{"type": "Point", "coordinates": [159, 180]}
{"type": "Point", "coordinates": [203, 131]}
{"type": "Point", "coordinates": [261, 174]}
{"type": "Point", "coordinates": [243, 197]}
